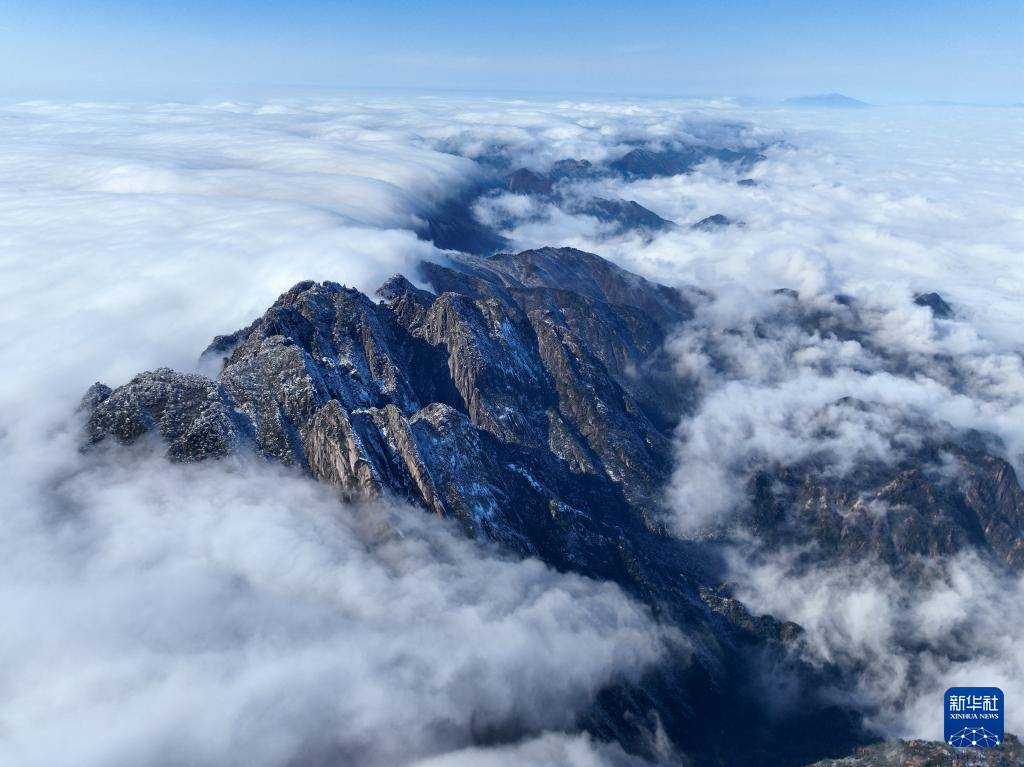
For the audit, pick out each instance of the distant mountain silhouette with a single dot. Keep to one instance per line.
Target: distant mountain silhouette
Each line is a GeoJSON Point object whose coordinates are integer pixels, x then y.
{"type": "Point", "coordinates": [831, 100]}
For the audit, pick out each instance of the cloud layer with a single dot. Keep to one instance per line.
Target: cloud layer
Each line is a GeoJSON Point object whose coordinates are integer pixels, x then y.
{"type": "Point", "coordinates": [902, 645]}
{"type": "Point", "coordinates": [877, 206]}
{"type": "Point", "coordinates": [291, 628]}
{"type": "Point", "coordinates": [241, 615]}
{"type": "Point", "coordinates": [222, 614]}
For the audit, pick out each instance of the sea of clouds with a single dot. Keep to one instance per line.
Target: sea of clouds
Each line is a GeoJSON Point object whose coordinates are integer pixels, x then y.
{"type": "Point", "coordinates": [208, 615]}
{"type": "Point", "coordinates": [221, 614]}
{"type": "Point", "coordinates": [235, 613]}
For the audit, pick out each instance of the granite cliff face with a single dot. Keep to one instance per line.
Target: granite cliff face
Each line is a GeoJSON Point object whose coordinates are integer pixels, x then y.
{"type": "Point", "coordinates": [530, 397]}
{"type": "Point", "coordinates": [527, 391]}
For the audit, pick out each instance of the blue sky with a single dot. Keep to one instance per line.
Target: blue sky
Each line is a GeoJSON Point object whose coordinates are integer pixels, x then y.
{"type": "Point", "coordinates": [879, 51]}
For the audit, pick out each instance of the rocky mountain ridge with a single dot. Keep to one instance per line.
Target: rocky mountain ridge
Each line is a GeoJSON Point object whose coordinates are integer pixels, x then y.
{"type": "Point", "coordinates": [531, 398]}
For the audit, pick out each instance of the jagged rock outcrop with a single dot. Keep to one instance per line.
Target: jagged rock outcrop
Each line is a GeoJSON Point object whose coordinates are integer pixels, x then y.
{"type": "Point", "coordinates": [724, 603]}
{"type": "Point", "coordinates": [523, 394]}
{"type": "Point", "coordinates": [188, 412]}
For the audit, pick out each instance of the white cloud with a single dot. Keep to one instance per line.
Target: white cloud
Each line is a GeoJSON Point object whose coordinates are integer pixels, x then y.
{"type": "Point", "coordinates": [223, 614]}
{"type": "Point", "coordinates": [131, 234]}
{"type": "Point", "coordinates": [550, 749]}
{"type": "Point", "coordinates": [237, 614]}
{"type": "Point", "coordinates": [904, 645]}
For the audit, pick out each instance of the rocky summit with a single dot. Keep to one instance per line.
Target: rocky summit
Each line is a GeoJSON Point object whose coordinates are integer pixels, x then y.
{"type": "Point", "coordinates": [529, 390]}
{"type": "Point", "coordinates": [530, 398]}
